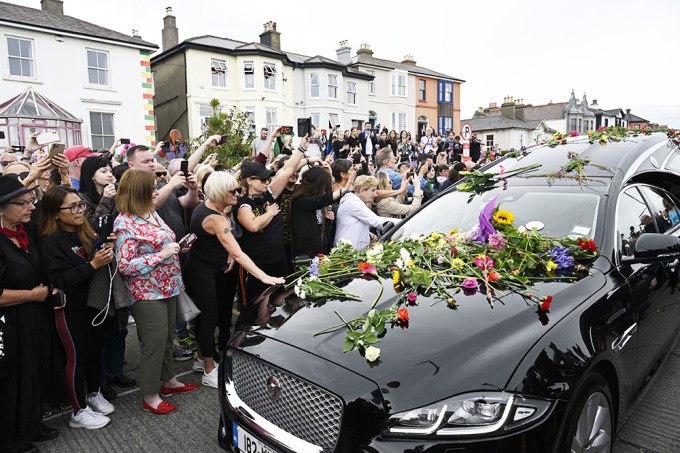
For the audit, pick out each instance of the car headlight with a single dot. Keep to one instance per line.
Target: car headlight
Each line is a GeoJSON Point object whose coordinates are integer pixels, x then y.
{"type": "Point", "coordinates": [468, 414]}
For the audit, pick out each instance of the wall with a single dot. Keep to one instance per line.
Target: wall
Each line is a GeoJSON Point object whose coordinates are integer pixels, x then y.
{"type": "Point", "coordinates": [170, 101]}
{"type": "Point", "coordinates": [61, 76]}
{"type": "Point", "coordinates": [427, 108]}
{"type": "Point", "coordinates": [200, 89]}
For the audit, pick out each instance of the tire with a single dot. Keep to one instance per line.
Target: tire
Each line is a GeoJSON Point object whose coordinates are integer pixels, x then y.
{"type": "Point", "coordinates": [590, 419]}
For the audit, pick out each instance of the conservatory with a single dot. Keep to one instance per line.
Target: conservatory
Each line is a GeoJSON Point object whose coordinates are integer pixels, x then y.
{"type": "Point", "coordinates": [31, 112]}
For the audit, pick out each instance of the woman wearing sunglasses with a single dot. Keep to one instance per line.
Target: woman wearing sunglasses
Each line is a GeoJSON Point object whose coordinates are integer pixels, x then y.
{"type": "Point", "coordinates": [207, 270]}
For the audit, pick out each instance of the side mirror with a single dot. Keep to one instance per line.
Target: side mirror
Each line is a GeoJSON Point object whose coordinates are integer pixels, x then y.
{"type": "Point", "coordinates": [650, 247]}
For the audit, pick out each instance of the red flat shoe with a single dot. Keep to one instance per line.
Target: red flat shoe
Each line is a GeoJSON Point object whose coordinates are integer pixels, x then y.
{"type": "Point", "coordinates": [162, 409]}
{"type": "Point", "coordinates": [167, 391]}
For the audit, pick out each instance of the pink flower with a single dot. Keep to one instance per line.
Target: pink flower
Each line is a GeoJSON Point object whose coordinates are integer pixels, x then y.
{"type": "Point", "coordinates": [469, 286]}
{"type": "Point", "coordinates": [573, 134]}
{"type": "Point", "coordinates": [601, 128]}
{"type": "Point", "coordinates": [502, 169]}
{"type": "Point", "coordinates": [411, 298]}
{"type": "Point", "coordinates": [484, 262]}
{"type": "Point", "coordinates": [497, 241]}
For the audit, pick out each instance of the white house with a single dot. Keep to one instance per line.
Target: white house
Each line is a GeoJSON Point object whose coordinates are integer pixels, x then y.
{"type": "Point", "coordinates": [88, 83]}
{"type": "Point", "coordinates": [271, 86]}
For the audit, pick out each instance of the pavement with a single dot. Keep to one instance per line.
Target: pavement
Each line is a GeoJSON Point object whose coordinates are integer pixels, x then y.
{"type": "Point", "coordinates": [654, 426]}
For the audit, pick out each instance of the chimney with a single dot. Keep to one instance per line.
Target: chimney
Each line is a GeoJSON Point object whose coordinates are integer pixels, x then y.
{"type": "Point", "coordinates": [52, 6]}
{"type": "Point", "coordinates": [508, 107]}
{"type": "Point", "coordinates": [270, 37]}
{"type": "Point", "coordinates": [627, 111]}
{"type": "Point", "coordinates": [594, 105]}
{"type": "Point", "coordinates": [135, 34]}
{"type": "Point", "coordinates": [408, 59]}
{"type": "Point", "coordinates": [344, 52]}
{"type": "Point", "coordinates": [365, 49]}
{"type": "Point", "coordinates": [492, 105]}
{"type": "Point", "coordinates": [519, 109]}
{"type": "Point", "coordinates": [170, 32]}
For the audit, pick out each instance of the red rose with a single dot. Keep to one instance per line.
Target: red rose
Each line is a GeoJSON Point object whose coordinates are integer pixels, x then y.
{"type": "Point", "coordinates": [545, 305]}
{"type": "Point", "coordinates": [494, 276]}
{"type": "Point", "coordinates": [587, 245]}
{"type": "Point", "coordinates": [402, 315]}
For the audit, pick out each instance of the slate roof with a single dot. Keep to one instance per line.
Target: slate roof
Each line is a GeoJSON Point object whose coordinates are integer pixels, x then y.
{"type": "Point", "coordinates": [635, 118]}
{"type": "Point", "coordinates": [500, 122]}
{"type": "Point", "coordinates": [364, 58]}
{"type": "Point", "coordinates": [232, 45]}
{"type": "Point", "coordinates": [18, 14]}
{"type": "Point", "coordinates": [545, 112]}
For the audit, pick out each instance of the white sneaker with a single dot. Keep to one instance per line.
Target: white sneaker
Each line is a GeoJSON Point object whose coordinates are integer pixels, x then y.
{"type": "Point", "coordinates": [210, 379]}
{"type": "Point", "coordinates": [199, 365]}
{"type": "Point", "coordinates": [88, 419]}
{"type": "Point", "coordinates": [97, 402]}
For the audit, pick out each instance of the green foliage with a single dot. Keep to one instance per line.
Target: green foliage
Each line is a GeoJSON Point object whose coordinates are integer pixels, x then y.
{"type": "Point", "coordinates": [233, 124]}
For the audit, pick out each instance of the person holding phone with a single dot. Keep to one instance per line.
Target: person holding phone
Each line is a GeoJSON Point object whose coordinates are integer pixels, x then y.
{"type": "Point", "coordinates": [147, 256]}
{"type": "Point", "coordinates": [71, 261]}
{"type": "Point", "coordinates": [207, 271]}
{"type": "Point", "coordinates": [76, 155]}
{"type": "Point", "coordinates": [26, 305]}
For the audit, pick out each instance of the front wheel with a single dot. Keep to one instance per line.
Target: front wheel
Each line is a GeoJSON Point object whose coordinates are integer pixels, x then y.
{"type": "Point", "coordinates": [590, 419]}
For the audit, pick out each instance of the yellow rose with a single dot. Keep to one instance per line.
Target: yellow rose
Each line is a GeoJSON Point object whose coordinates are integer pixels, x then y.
{"type": "Point", "coordinates": [457, 263]}
{"type": "Point", "coordinates": [435, 235]}
{"type": "Point", "coordinates": [453, 231]}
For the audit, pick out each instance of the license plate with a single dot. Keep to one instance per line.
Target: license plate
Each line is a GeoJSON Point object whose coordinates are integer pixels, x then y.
{"type": "Point", "coordinates": [248, 443]}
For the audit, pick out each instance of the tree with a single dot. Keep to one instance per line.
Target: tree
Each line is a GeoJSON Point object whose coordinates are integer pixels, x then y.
{"type": "Point", "coordinates": [233, 125]}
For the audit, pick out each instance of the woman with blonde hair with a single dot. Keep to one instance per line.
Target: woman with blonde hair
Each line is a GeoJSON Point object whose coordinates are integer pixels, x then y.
{"type": "Point", "coordinates": [395, 207]}
{"type": "Point", "coordinates": [207, 269]}
{"type": "Point", "coordinates": [354, 218]}
{"type": "Point", "coordinates": [146, 251]}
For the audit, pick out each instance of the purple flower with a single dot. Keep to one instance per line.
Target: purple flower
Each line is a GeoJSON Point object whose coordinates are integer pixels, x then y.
{"type": "Point", "coordinates": [440, 260]}
{"type": "Point", "coordinates": [497, 241]}
{"type": "Point", "coordinates": [469, 286]}
{"type": "Point", "coordinates": [314, 267]}
{"type": "Point", "coordinates": [561, 257]}
{"type": "Point", "coordinates": [485, 228]}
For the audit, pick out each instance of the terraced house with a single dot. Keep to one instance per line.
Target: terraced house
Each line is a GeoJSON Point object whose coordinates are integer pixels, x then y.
{"type": "Point", "coordinates": [60, 73]}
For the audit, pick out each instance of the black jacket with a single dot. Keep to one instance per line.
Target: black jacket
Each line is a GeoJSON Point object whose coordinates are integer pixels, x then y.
{"type": "Point", "coordinates": [310, 237]}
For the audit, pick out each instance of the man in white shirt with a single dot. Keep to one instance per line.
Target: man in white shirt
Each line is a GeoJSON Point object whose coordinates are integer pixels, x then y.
{"type": "Point", "coordinates": [259, 142]}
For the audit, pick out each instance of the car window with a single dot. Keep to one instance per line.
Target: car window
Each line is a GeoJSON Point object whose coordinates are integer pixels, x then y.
{"type": "Point", "coordinates": [530, 206]}
{"type": "Point", "coordinates": [667, 213]}
{"type": "Point", "coordinates": [632, 219]}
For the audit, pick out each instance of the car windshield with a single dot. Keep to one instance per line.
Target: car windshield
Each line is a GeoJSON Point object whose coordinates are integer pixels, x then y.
{"type": "Point", "coordinates": [553, 213]}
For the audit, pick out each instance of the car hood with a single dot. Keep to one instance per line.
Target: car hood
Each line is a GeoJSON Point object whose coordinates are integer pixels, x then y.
{"type": "Point", "coordinates": [443, 352]}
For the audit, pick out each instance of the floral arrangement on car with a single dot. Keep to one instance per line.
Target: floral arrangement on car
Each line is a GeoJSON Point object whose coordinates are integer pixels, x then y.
{"type": "Point", "coordinates": [495, 259]}
{"type": "Point", "coordinates": [674, 138]}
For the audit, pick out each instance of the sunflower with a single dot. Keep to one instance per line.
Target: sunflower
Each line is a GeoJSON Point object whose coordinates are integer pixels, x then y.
{"type": "Point", "coordinates": [503, 217]}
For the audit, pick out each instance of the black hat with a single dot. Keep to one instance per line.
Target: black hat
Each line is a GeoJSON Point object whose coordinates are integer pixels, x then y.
{"type": "Point", "coordinates": [10, 188]}
{"type": "Point", "coordinates": [256, 170]}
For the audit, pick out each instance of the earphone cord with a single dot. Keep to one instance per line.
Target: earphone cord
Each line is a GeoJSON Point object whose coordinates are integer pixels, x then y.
{"type": "Point", "coordinates": [105, 310]}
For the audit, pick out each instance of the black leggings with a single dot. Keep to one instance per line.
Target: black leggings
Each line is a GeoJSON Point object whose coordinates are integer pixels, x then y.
{"type": "Point", "coordinates": [213, 293]}
{"type": "Point", "coordinates": [83, 344]}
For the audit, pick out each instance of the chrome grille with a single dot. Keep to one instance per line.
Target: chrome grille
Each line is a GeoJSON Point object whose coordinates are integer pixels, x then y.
{"type": "Point", "coordinates": [302, 409]}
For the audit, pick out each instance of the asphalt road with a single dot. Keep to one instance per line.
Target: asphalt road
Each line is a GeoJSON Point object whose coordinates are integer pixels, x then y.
{"type": "Point", "coordinates": [654, 427]}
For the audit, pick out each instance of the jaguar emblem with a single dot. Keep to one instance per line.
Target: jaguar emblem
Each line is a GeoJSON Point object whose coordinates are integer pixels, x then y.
{"type": "Point", "coordinates": [273, 387]}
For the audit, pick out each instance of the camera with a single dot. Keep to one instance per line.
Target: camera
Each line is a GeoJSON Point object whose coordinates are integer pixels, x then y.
{"type": "Point", "coordinates": [184, 167]}
{"type": "Point", "coordinates": [124, 141]}
{"type": "Point", "coordinates": [286, 130]}
{"type": "Point", "coordinates": [222, 140]}
{"type": "Point", "coordinates": [105, 229]}
{"type": "Point", "coordinates": [304, 126]}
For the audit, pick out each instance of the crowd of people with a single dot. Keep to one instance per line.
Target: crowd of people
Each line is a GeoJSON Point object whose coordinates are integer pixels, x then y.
{"type": "Point", "coordinates": [86, 242]}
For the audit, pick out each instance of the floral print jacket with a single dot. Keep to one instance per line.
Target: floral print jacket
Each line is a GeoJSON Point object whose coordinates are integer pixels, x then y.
{"type": "Point", "coordinates": [146, 274]}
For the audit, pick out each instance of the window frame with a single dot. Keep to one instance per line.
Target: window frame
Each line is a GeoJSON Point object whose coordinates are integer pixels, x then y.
{"type": "Point", "coordinates": [351, 96]}
{"type": "Point", "coordinates": [32, 59]}
{"type": "Point", "coordinates": [396, 86]}
{"type": "Point", "coordinates": [268, 111]}
{"type": "Point", "coordinates": [312, 85]}
{"type": "Point", "coordinates": [487, 146]}
{"type": "Point", "coordinates": [103, 135]}
{"type": "Point", "coordinates": [220, 69]}
{"type": "Point", "coordinates": [333, 86]}
{"type": "Point", "coordinates": [371, 83]}
{"type": "Point", "coordinates": [270, 72]}
{"type": "Point", "coordinates": [422, 90]}
{"type": "Point", "coordinates": [248, 74]}
{"type": "Point", "coordinates": [88, 67]}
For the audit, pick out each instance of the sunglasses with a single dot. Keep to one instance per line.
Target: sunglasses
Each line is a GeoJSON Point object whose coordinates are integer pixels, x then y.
{"type": "Point", "coordinates": [4, 164]}
{"type": "Point", "coordinates": [161, 173]}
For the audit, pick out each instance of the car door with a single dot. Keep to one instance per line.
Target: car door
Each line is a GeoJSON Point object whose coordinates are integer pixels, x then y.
{"type": "Point", "coordinates": [655, 313]}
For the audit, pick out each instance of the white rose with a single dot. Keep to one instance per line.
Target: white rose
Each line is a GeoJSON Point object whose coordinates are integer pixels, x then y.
{"type": "Point", "coordinates": [372, 353]}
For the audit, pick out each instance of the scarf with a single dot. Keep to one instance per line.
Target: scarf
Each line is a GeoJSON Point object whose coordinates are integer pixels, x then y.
{"type": "Point", "coordinates": [19, 234]}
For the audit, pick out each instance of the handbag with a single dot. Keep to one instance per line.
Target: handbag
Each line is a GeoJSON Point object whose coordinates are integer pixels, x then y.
{"type": "Point", "coordinates": [186, 309]}
{"type": "Point", "coordinates": [99, 293]}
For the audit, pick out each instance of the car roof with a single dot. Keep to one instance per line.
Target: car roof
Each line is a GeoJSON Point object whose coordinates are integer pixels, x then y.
{"type": "Point", "coordinates": [625, 158]}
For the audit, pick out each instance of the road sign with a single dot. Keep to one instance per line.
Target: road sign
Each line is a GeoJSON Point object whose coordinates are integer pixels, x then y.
{"type": "Point", "coordinates": [466, 131]}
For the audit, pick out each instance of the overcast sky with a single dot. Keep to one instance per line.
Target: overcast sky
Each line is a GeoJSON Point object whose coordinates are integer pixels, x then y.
{"type": "Point", "coordinates": [623, 53]}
